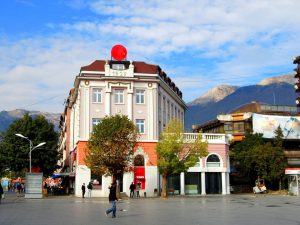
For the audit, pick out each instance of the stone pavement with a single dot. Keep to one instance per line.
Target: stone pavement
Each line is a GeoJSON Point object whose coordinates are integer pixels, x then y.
{"type": "Point", "coordinates": [193, 210]}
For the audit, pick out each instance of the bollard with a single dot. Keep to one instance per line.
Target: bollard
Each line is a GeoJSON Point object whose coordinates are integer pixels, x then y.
{"type": "Point", "coordinates": [145, 195]}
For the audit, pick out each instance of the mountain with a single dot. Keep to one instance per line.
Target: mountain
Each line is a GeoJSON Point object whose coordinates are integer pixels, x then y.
{"type": "Point", "coordinates": [214, 95]}
{"type": "Point", "coordinates": [8, 117]}
{"type": "Point", "coordinates": [275, 90]}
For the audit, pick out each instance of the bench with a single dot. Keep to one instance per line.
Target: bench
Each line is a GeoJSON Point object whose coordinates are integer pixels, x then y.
{"type": "Point", "coordinates": [171, 190]}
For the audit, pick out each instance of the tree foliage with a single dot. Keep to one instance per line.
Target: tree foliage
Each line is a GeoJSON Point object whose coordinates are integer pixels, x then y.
{"type": "Point", "coordinates": [175, 156]}
{"type": "Point", "coordinates": [14, 150]}
{"type": "Point", "coordinates": [111, 145]}
{"type": "Point", "coordinates": [255, 157]}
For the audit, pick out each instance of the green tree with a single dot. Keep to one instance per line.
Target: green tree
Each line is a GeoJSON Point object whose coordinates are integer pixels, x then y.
{"type": "Point", "coordinates": [257, 158]}
{"type": "Point", "coordinates": [278, 137]}
{"type": "Point", "coordinates": [111, 146]}
{"type": "Point", "coordinates": [14, 150]}
{"type": "Point", "coordinates": [240, 155]}
{"type": "Point", "coordinates": [176, 156]}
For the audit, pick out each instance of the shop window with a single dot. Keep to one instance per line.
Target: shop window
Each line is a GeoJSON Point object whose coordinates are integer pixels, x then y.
{"type": "Point", "coordinates": [213, 161]}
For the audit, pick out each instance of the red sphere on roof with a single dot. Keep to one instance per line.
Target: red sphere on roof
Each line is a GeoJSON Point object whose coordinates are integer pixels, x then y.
{"type": "Point", "coordinates": [118, 52]}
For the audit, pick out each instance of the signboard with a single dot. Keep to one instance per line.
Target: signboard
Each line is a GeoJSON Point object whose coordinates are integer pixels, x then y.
{"type": "Point", "coordinates": [267, 124]}
{"type": "Point", "coordinates": [34, 185]}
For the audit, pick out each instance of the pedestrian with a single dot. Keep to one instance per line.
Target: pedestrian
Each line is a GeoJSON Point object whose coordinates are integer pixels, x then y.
{"type": "Point", "coordinates": [83, 190]}
{"type": "Point", "coordinates": [19, 188]}
{"type": "Point", "coordinates": [132, 187]}
{"type": "Point", "coordinates": [112, 199]}
{"type": "Point", "coordinates": [139, 186]}
{"type": "Point", "coordinates": [90, 188]}
{"type": "Point", "coordinates": [1, 192]}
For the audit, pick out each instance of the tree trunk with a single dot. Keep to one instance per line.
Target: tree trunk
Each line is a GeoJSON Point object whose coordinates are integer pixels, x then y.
{"type": "Point", "coordinates": [164, 193]}
{"type": "Point", "coordinates": [280, 183]}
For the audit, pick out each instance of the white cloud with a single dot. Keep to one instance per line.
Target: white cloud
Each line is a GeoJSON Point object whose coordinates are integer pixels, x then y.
{"type": "Point", "coordinates": [241, 42]}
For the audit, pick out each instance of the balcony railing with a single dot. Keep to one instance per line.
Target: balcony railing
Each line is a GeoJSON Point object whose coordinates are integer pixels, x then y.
{"type": "Point", "coordinates": [210, 138]}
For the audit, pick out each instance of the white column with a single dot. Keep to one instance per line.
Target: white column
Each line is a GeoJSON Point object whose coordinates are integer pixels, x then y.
{"type": "Point", "coordinates": [86, 117]}
{"type": "Point", "coordinates": [107, 103]}
{"type": "Point", "coordinates": [227, 183]}
{"type": "Point", "coordinates": [182, 191]}
{"type": "Point", "coordinates": [203, 185]}
{"type": "Point", "coordinates": [223, 183]}
{"type": "Point", "coordinates": [150, 115]}
{"type": "Point", "coordinates": [129, 100]}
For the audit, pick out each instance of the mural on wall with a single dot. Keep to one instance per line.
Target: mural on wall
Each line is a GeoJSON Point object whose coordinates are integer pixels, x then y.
{"type": "Point", "coordinates": [267, 124]}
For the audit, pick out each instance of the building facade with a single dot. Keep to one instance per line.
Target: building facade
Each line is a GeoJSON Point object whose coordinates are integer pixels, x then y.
{"type": "Point", "coordinates": [260, 118]}
{"type": "Point", "coordinates": [149, 98]}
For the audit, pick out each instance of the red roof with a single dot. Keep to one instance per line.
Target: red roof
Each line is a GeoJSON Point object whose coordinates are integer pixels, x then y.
{"type": "Point", "coordinates": [139, 67]}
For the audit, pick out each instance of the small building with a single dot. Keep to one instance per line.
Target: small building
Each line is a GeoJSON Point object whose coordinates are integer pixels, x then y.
{"type": "Point", "coordinates": [260, 118]}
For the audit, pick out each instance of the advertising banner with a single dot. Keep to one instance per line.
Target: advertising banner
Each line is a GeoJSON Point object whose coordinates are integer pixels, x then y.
{"type": "Point", "coordinates": [267, 124]}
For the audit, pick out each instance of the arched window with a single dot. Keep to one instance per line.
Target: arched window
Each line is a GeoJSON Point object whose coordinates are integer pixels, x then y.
{"type": "Point", "coordinates": [139, 160]}
{"type": "Point", "coordinates": [213, 161]}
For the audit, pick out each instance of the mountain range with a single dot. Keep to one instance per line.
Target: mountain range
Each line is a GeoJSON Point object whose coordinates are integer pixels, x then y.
{"type": "Point", "coordinates": [7, 117]}
{"type": "Point", "coordinates": [225, 98]}
{"type": "Point", "coordinates": [277, 90]}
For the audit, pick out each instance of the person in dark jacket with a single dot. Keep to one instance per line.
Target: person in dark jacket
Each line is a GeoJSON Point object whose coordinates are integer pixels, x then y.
{"type": "Point", "coordinates": [1, 192]}
{"type": "Point", "coordinates": [132, 187]}
{"type": "Point", "coordinates": [113, 199]}
{"type": "Point", "coordinates": [83, 189]}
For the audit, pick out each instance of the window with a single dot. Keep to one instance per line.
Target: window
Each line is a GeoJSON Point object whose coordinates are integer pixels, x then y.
{"type": "Point", "coordinates": [140, 96]}
{"type": "Point", "coordinates": [139, 160]}
{"type": "Point", "coordinates": [95, 121]}
{"type": "Point", "coordinates": [140, 124]}
{"type": "Point", "coordinates": [238, 127]}
{"type": "Point", "coordinates": [213, 161]}
{"type": "Point", "coordinates": [118, 66]}
{"type": "Point", "coordinates": [119, 96]}
{"type": "Point", "coordinates": [97, 95]}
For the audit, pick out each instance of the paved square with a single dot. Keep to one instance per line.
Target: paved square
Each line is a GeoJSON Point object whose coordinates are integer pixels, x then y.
{"type": "Point", "coordinates": [206, 210]}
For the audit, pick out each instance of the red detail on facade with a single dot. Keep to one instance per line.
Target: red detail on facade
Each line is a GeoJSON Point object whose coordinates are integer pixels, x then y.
{"type": "Point", "coordinates": [35, 169]}
{"type": "Point", "coordinates": [139, 176]}
{"type": "Point", "coordinates": [118, 52]}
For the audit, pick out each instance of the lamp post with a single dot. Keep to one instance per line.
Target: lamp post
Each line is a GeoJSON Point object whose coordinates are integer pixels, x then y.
{"type": "Point", "coordinates": [31, 148]}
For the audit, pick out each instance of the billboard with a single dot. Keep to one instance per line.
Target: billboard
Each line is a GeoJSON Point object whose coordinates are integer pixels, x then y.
{"type": "Point", "coordinates": [267, 124]}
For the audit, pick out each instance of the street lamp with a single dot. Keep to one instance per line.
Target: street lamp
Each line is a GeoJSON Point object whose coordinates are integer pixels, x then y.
{"type": "Point", "coordinates": [31, 148]}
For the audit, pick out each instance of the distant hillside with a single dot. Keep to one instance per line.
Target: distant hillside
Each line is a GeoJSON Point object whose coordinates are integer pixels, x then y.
{"type": "Point", "coordinates": [7, 117]}
{"type": "Point", "coordinates": [214, 95]}
{"type": "Point", "coordinates": [272, 91]}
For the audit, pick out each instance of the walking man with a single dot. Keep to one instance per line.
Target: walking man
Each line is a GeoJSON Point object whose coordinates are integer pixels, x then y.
{"type": "Point", "coordinates": [112, 199]}
{"type": "Point", "coordinates": [83, 190]}
{"type": "Point", "coordinates": [132, 187]}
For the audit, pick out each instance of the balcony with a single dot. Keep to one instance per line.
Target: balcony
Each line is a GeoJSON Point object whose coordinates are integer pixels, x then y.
{"type": "Point", "coordinates": [210, 138]}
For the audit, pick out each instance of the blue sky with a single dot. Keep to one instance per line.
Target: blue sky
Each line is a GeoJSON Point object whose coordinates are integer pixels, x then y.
{"type": "Point", "coordinates": [199, 43]}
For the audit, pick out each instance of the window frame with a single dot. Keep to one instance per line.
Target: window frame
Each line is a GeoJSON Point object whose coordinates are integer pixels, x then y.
{"type": "Point", "coordinates": [140, 96]}
{"type": "Point", "coordinates": [118, 96]}
{"type": "Point", "coordinates": [140, 124]}
{"type": "Point", "coordinates": [96, 95]}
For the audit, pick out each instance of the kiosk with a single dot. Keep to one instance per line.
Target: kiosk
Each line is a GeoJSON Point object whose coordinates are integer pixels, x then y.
{"type": "Point", "coordinates": [293, 181]}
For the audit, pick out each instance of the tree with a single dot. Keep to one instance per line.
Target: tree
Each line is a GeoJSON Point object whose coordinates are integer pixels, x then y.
{"type": "Point", "coordinates": [14, 150]}
{"type": "Point", "coordinates": [111, 145]}
{"type": "Point", "coordinates": [259, 158]}
{"type": "Point", "coordinates": [240, 154]}
{"type": "Point", "coordinates": [175, 156]}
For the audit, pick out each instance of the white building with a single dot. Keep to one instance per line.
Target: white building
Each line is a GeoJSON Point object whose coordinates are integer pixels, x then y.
{"type": "Point", "coordinates": [150, 99]}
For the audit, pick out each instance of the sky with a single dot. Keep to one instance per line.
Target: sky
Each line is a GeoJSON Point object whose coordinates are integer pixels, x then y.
{"type": "Point", "coordinates": [200, 44]}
